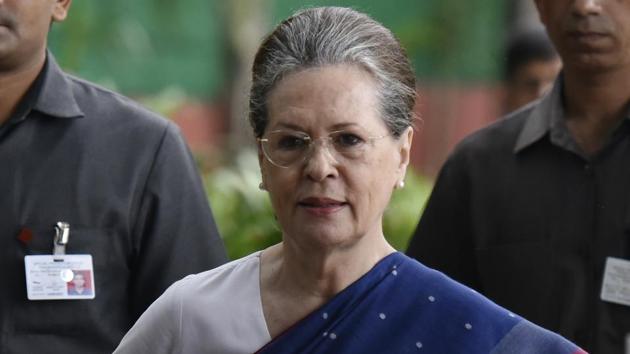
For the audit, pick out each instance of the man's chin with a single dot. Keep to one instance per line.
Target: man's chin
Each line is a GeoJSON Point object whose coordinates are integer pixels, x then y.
{"type": "Point", "coordinates": [595, 63]}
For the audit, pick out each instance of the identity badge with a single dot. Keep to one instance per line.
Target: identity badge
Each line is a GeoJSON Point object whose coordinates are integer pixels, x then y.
{"type": "Point", "coordinates": [60, 277]}
{"type": "Point", "coordinates": [616, 284]}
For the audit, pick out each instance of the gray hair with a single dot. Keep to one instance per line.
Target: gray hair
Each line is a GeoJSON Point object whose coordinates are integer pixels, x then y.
{"type": "Point", "coordinates": [324, 36]}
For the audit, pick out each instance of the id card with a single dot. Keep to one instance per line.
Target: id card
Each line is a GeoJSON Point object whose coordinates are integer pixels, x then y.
{"type": "Point", "coordinates": [60, 277]}
{"type": "Point", "coordinates": [616, 284]}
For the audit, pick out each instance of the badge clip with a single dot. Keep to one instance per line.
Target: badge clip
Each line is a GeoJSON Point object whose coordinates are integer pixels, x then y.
{"type": "Point", "coordinates": [62, 234]}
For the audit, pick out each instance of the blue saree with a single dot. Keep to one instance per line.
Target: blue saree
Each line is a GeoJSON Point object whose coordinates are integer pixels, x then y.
{"type": "Point", "coordinates": [401, 306]}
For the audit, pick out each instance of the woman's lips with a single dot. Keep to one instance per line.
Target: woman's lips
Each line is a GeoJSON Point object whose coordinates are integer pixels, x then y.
{"type": "Point", "coordinates": [321, 206]}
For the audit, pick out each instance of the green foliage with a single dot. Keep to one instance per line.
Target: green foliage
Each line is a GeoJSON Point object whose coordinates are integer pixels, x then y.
{"type": "Point", "coordinates": [247, 223]}
{"type": "Point", "coordinates": [165, 102]}
{"type": "Point", "coordinates": [139, 47]}
{"type": "Point", "coordinates": [242, 211]}
{"type": "Point", "coordinates": [142, 46]}
{"type": "Point", "coordinates": [403, 213]}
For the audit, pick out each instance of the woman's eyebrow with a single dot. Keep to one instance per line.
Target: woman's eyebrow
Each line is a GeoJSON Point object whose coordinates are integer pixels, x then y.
{"type": "Point", "coordinates": [288, 125]}
{"type": "Point", "coordinates": [339, 126]}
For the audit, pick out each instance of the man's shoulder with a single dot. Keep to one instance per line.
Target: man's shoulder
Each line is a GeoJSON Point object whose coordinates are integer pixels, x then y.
{"type": "Point", "coordinates": [104, 104]}
{"type": "Point", "coordinates": [495, 142]}
{"type": "Point", "coordinates": [499, 136]}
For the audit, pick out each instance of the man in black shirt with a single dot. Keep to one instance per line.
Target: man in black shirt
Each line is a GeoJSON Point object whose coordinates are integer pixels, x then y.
{"type": "Point", "coordinates": [534, 211]}
{"type": "Point", "coordinates": [121, 179]}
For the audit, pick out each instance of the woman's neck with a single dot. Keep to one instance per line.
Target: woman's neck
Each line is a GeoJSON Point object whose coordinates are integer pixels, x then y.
{"type": "Point", "coordinates": [320, 272]}
{"type": "Point", "coordinates": [295, 281]}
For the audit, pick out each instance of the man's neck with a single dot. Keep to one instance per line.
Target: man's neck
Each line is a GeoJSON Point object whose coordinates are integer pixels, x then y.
{"type": "Point", "coordinates": [595, 104]}
{"type": "Point", "coordinates": [15, 82]}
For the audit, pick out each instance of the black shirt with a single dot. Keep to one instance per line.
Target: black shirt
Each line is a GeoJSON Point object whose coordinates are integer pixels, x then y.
{"type": "Point", "coordinates": [124, 180]}
{"type": "Point", "coordinates": [519, 213]}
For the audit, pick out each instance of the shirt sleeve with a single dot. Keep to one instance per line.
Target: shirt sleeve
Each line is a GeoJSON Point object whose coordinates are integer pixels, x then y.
{"type": "Point", "coordinates": [174, 231]}
{"type": "Point", "coordinates": [157, 331]}
{"type": "Point", "coordinates": [443, 239]}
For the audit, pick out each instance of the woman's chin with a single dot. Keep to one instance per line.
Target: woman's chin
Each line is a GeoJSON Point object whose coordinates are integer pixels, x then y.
{"type": "Point", "coordinates": [322, 237]}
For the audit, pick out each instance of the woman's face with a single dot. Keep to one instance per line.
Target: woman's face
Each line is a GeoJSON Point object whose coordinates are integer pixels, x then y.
{"type": "Point", "coordinates": [336, 196]}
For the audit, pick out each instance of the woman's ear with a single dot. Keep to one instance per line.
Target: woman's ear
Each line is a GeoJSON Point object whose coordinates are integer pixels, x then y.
{"type": "Point", "coordinates": [261, 154]}
{"type": "Point", "coordinates": [60, 10]}
{"type": "Point", "coordinates": [405, 151]}
{"type": "Point", "coordinates": [261, 160]}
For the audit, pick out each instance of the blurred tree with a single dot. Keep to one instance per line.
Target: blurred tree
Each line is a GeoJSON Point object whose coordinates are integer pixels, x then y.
{"type": "Point", "coordinates": [143, 46]}
{"type": "Point", "coordinates": [249, 21]}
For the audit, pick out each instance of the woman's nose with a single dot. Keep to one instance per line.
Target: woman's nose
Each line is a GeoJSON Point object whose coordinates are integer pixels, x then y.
{"type": "Point", "coordinates": [321, 162]}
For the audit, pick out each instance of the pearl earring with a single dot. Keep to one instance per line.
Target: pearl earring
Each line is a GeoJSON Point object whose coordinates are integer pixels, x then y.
{"type": "Point", "coordinates": [400, 185]}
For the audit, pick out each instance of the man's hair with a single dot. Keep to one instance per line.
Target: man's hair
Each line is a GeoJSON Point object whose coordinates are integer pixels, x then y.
{"type": "Point", "coordinates": [318, 37]}
{"type": "Point", "coordinates": [526, 47]}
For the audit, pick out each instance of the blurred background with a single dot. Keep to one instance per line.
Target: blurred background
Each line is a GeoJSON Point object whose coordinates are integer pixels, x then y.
{"type": "Point", "coordinates": [189, 60]}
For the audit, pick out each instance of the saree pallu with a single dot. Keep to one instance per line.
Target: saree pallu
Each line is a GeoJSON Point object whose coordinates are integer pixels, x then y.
{"type": "Point", "coordinates": [401, 306]}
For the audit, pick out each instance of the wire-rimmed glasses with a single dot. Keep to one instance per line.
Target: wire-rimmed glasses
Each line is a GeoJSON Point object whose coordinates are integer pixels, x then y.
{"type": "Point", "coordinates": [286, 148]}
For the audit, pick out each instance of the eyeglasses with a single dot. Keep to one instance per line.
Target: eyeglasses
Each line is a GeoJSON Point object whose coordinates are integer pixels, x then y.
{"type": "Point", "coordinates": [285, 148]}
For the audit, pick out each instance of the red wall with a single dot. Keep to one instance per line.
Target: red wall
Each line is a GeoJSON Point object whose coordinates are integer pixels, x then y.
{"type": "Point", "coordinates": [448, 114]}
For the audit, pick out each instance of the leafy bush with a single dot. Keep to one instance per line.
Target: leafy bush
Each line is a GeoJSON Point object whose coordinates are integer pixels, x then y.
{"type": "Point", "coordinates": [247, 223]}
{"type": "Point", "coordinates": [242, 212]}
{"type": "Point", "coordinates": [405, 207]}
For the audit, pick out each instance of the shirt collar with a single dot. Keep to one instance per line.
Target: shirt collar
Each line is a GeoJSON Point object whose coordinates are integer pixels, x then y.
{"type": "Point", "coordinates": [56, 97]}
{"type": "Point", "coordinates": [541, 117]}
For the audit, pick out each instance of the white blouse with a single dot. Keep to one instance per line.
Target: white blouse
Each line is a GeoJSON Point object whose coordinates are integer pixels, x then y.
{"type": "Point", "coordinates": [217, 311]}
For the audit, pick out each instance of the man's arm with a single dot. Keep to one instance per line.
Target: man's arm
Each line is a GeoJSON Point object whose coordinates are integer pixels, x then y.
{"type": "Point", "coordinates": [174, 233]}
{"type": "Point", "coordinates": [444, 236]}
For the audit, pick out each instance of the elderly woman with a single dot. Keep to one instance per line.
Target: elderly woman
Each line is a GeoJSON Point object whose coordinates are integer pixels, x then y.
{"type": "Point", "coordinates": [331, 105]}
